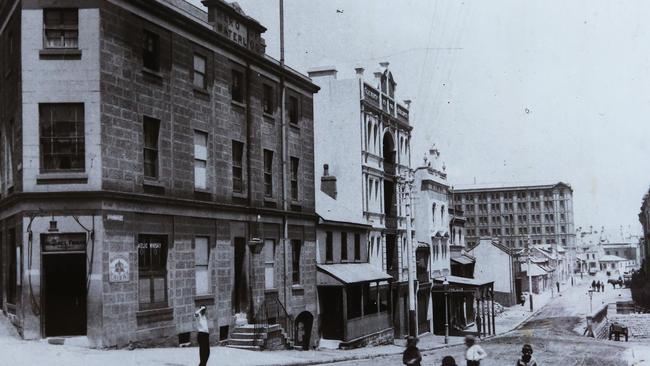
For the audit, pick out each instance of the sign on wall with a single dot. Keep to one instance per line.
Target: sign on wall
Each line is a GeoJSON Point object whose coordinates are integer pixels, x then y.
{"type": "Point", "coordinates": [65, 242]}
{"type": "Point", "coordinates": [118, 267]}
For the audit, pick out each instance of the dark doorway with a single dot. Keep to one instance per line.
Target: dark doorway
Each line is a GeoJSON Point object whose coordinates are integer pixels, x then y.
{"type": "Point", "coordinates": [331, 302]}
{"type": "Point", "coordinates": [391, 256]}
{"type": "Point", "coordinates": [423, 307]}
{"type": "Point", "coordinates": [240, 287]}
{"type": "Point", "coordinates": [64, 294]}
{"type": "Point", "coordinates": [304, 322]}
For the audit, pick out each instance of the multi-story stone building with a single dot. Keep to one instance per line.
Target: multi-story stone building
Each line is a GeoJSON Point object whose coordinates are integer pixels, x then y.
{"type": "Point", "coordinates": [146, 170]}
{"type": "Point", "coordinates": [644, 219]}
{"type": "Point", "coordinates": [513, 214]}
{"type": "Point", "coordinates": [363, 134]}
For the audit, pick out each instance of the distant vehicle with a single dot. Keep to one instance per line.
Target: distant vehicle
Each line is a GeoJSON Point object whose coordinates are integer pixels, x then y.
{"type": "Point", "coordinates": [614, 282]}
{"type": "Point", "coordinates": [616, 330]}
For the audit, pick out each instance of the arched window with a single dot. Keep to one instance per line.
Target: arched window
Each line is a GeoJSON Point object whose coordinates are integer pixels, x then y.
{"type": "Point", "coordinates": [442, 213]}
{"type": "Point", "coordinates": [433, 211]}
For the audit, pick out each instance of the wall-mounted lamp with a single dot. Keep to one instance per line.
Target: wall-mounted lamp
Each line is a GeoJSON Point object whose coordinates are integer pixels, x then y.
{"type": "Point", "coordinates": [53, 227]}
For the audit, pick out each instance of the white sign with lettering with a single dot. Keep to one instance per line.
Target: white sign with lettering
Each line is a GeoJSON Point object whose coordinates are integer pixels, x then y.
{"type": "Point", "coordinates": [118, 267]}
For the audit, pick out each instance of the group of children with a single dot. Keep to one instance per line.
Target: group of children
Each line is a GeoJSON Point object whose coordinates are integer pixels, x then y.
{"type": "Point", "coordinates": [473, 354]}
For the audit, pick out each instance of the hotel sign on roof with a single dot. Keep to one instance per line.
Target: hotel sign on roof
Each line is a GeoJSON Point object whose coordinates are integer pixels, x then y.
{"type": "Point", "coordinates": [236, 26]}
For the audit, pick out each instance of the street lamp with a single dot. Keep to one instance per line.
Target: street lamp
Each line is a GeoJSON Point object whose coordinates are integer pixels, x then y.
{"type": "Point", "coordinates": [405, 182]}
{"type": "Point", "coordinates": [445, 286]}
{"type": "Point", "coordinates": [591, 295]}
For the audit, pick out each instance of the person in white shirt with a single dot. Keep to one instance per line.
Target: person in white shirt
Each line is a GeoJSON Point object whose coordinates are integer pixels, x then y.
{"type": "Point", "coordinates": [203, 335]}
{"type": "Point", "coordinates": [474, 353]}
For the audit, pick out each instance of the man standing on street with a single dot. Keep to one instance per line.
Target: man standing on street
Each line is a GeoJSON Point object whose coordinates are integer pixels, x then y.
{"type": "Point", "coordinates": [203, 335]}
{"type": "Point", "coordinates": [557, 283]}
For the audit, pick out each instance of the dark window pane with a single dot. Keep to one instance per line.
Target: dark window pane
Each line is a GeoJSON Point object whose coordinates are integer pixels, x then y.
{"type": "Point", "coordinates": [237, 86]}
{"type": "Point", "coordinates": [151, 131]}
{"type": "Point", "coordinates": [294, 112]}
{"type": "Point", "coordinates": [150, 51]}
{"type": "Point", "coordinates": [268, 103]}
{"type": "Point", "coordinates": [328, 247]}
{"type": "Point", "coordinates": [62, 140]}
{"type": "Point", "coordinates": [295, 262]}
{"type": "Point", "coordinates": [60, 28]}
{"type": "Point", "coordinates": [268, 173]}
{"type": "Point", "coordinates": [237, 171]}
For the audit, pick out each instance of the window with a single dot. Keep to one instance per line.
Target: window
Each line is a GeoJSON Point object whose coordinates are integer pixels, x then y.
{"type": "Point", "coordinates": [62, 141]}
{"type": "Point", "coordinates": [200, 159]}
{"type": "Point", "coordinates": [152, 271]}
{"type": "Point", "coordinates": [294, 178]}
{"type": "Point", "coordinates": [14, 268]}
{"type": "Point", "coordinates": [269, 264]}
{"type": "Point", "coordinates": [357, 247]}
{"type": "Point", "coordinates": [237, 171]}
{"type": "Point", "coordinates": [151, 51]}
{"type": "Point", "coordinates": [295, 261]}
{"type": "Point", "coordinates": [294, 110]}
{"type": "Point", "coordinates": [268, 173]}
{"type": "Point", "coordinates": [201, 264]}
{"type": "Point", "coordinates": [329, 257]}
{"type": "Point", "coordinates": [344, 246]}
{"type": "Point", "coordinates": [151, 128]}
{"type": "Point", "coordinates": [199, 78]}
{"type": "Point", "coordinates": [237, 86]}
{"type": "Point", "coordinates": [268, 101]}
{"type": "Point", "coordinates": [433, 213]}
{"type": "Point", "coordinates": [61, 28]}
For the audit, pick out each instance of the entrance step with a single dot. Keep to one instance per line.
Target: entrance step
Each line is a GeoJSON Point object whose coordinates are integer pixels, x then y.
{"type": "Point", "coordinates": [75, 341]}
{"type": "Point", "coordinates": [56, 341]}
{"type": "Point", "coordinates": [247, 337]}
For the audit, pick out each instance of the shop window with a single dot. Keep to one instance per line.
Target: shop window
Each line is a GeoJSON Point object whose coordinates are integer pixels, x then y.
{"type": "Point", "coordinates": [269, 264]}
{"type": "Point", "coordinates": [199, 80]}
{"type": "Point", "coordinates": [61, 28]}
{"type": "Point", "coordinates": [371, 298]}
{"type": "Point", "coordinates": [294, 178]}
{"type": "Point", "coordinates": [151, 51]}
{"type": "Point", "coordinates": [296, 246]}
{"type": "Point", "coordinates": [152, 271]}
{"type": "Point", "coordinates": [268, 173]}
{"type": "Point", "coordinates": [237, 164]}
{"type": "Point", "coordinates": [151, 127]}
{"type": "Point", "coordinates": [201, 265]}
{"type": "Point", "coordinates": [344, 246]}
{"type": "Point", "coordinates": [200, 159]}
{"type": "Point", "coordinates": [62, 141]}
{"type": "Point", "coordinates": [354, 300]}
{"type": "Point", "coordinates": [237, 86]}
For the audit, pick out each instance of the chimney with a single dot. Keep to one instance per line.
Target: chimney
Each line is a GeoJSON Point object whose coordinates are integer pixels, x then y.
{"type": "Point", "coordinates": [377, 75]}
{"type": "Point", "coordinates": [359, 71]}
{"type": "Point", "coordinates": [384, 64]}
{"type": "Point", "coordinates": [322, 71]}
{"type": "Point", "coordinates": [328, 182]}
{"type": "Point", "coordinates": [408, 103]}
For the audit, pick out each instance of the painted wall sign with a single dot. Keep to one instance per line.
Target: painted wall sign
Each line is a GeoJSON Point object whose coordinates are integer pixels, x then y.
{"type": "Point", "coordinates": [65, 242]}
{"type": "Point", "coordinates": [118, 267]}
{"type": "Point", "coordinates": [371, 95]}
{"type": "Point", "coordinates": [239, 33]}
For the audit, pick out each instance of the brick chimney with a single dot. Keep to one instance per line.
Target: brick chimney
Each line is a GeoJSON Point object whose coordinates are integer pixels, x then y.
{"type": "Point", "coordinates": [328, 182]}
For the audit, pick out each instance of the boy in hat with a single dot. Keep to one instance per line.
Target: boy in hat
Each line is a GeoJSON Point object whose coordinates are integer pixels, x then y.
{"type": "Point", "coordinates": [527, 358]}
{"type": "Point", "coordinates": [474, 353]}
{"type": "Point", "coordinates": [411, 355]}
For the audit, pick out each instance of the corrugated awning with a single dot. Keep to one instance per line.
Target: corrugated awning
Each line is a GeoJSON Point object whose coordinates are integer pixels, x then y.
{"type": "Point", "coordinates": [353, 272]}
{"type": "Point", "coordinates": [462, 281]}
{"type": "Point", "coordinates": [463, 259]}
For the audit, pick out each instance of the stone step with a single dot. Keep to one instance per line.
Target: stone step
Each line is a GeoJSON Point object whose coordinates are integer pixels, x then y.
{"type": "Point", "coordinates": [250, 328]}
{"type": "Point", "coordinates": [245, 342]}
{"type": "Point", "coordinates": [262, 335]}
{"type": "Point", "coordinates": [250, 348]}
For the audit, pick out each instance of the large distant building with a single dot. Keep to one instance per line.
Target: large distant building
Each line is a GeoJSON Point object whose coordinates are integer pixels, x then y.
{"type": "Point", "coordinates": [514, 214]}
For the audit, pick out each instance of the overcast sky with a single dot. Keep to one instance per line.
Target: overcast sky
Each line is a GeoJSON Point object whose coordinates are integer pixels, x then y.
{"type": "Point", "coordinates": [509, 90]}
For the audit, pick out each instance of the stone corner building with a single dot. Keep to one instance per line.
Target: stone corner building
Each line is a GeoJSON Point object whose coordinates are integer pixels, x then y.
{"type": "Point", "coordinates": [143, 149]}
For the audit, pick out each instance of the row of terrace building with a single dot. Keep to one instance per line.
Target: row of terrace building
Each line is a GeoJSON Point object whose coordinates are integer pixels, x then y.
{"type": "Point", "coordinates": [156, 159]}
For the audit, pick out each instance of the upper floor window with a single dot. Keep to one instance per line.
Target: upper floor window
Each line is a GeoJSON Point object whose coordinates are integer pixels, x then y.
{"type": "Point", "coordinates": [200, 159]}
{"type": "Point", "coordinates": [294, 178]}
{"type": "Point", "coordinates": [62, 142]}
{"type": "Point", "coordinates": [199, 78]}
{"type": "Point", "coordinates": [151, 51]}
{"type": "Point", "coordinates": [433, 213]}
{"type": "Point", "coordinates": [201, 265]}
{"type": "Point", "coordinates": [237, 86]}
{"type": "Point", "coordinates": [357, 247]}
{"type": "Point", "coordinates": [268, 101]}
{"type": "Point", "coordinates": [151, 128]}
{"type": "Point", "coordinates": [294, 110]}
{"type": "Point", "coordinates": [329, 250]}
{"type": "Point", "coordinates": [268, 173]}
{"type": "Point", "coordinates": [344, 246]}
{"type": "Point", "coordinates": [61, 28]}
{"type": "Point", "coordinates": [237, 164]}
{"type": "Point", "coordinates": [296, 246]}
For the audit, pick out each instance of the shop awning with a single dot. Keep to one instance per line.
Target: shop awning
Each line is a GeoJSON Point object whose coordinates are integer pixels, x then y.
{"type": "Point", "coordinates": [463, 259]}
{"type": "Point", "coordinates": [536, 270]}
{"type": "Point", "coordinates": [347, 273]}
{"type": "Point", "coordinates": [462, 281]}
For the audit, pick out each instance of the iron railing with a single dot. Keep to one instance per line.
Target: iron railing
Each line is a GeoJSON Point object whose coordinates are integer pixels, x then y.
{"type": "Point", "coordinates": [271, 312]}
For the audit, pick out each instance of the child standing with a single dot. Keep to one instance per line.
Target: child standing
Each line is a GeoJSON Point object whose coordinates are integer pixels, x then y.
{"type": "Point", "coordinates": [474, 353]}
{"type": "Point", "coordinates": [203, 335]}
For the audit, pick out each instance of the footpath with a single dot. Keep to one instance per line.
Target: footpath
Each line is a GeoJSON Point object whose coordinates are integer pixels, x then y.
{"type": "Point", "coordinates": [16, 351]}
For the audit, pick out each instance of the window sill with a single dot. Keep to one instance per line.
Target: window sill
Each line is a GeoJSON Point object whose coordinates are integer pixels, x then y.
{"type": "Point", "coordinates": [294, 126]}
{"type": "Point", "coordinates": [201, 92]}
{"type": "Point", "coordinates": [153, 182]}
{"type": "Point", "coordinates": [60, 54]}
{"type": "Point", "coordinates": [268, 117]}
{"type": "Point", "coordinates": [239, 194]}
{"type": "Point", "coordinates": [204, 300]}
{"type": "Point", "coordinates": [238, 104]}
{"type": "Point", "coordinates": [62, 178]}
{"type": "Point", "coordinates": [152, 73]}
{"type": "Point", "coordinates": [154, 315]}
{"type": "Point", "coordinates": [297, 288]}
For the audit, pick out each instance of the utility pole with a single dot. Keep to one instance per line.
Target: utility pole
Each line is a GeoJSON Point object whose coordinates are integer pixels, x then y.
{"type": "Point", "coordinates": [530, 277]}
{"type": "Point", "coordinates": [405, 182]}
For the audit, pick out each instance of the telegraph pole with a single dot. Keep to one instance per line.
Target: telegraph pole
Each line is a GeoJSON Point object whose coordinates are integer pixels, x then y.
{"type": "Point", "coordinates": [530, 278]}
{"type": "Point", "coordinates": [406, 185]}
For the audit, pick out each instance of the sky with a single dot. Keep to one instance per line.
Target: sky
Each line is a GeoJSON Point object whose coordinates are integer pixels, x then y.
{"type": "Point", "coordinates": [510, 91]}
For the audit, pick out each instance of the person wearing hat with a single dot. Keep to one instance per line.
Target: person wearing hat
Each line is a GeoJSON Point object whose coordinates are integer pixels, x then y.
{"type": "Point", "coordinates": [527, 358]}
{"type": "Point", "coordinates": [448, 361]}
{"type": "Point", "coordinates": [411, 355]}
{"type": "Point", "coordinates": [474, 353]}
{"type": "Point", "coordinates": [202, 335]}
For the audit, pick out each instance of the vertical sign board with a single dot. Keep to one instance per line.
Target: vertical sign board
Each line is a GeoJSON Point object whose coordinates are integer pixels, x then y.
{"type": "Point", "coordinates": [64, 242]}
{"type": "Point", "coordinates": [370, 95]}
{"type": "Point", "coordinates": [118, 267]}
